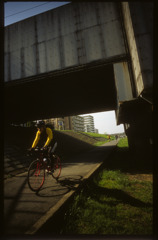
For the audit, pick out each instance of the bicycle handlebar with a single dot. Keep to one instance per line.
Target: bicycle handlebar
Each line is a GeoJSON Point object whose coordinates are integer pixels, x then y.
{"type": "Point", "coordinates": [40, 150]}
{"type": "Point", "coordinates": [35, 151]}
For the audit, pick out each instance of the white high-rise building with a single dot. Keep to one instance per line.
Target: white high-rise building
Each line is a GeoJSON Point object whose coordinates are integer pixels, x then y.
{"type": "Point", "coordinates": [83, 123]}
{"type": "Point", "coordinates": [89, 123]}
{"type": "Point", "coordinates": [78, 123]}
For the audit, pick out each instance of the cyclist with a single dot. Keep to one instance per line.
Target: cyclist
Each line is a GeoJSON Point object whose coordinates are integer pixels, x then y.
{"type": "Point", "coordinates": [43, 137]}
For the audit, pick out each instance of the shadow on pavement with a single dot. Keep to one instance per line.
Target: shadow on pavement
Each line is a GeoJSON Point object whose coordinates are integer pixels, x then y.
{"type": "Point", "coordinates": [50, 191]}
{"type": "Point", "coordinates": [93, 155]}
{"type": "Point", "coordinates": [64, 185]}
{"type": "Point", "coordinates": [70, 181]}
{"type": "Point", "coordinates": [11, 209]}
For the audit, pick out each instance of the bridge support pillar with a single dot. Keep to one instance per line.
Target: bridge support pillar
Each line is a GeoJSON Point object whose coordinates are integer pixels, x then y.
{"type": "Point", "coordinates": [136, 115]}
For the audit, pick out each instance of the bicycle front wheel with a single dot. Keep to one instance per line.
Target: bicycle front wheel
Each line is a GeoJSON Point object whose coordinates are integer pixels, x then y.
{"type": "Point", "coordinates": [56, 167]}
{"type": "Point", "coordinates": [36, 175]}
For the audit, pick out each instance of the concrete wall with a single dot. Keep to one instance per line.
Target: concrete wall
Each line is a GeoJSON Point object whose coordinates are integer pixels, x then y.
{"type": "Point", "coordinates": [123, 82]}
{"type": "Point", "coordinates": [138, 21]}
{"type": "Point", "coordinates": [68, 36]}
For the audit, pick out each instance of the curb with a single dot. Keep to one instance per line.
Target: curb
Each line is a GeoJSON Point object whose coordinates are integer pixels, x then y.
{"type": "Point", "coordinates": [50, 213]}
{"type": "Point", "coordinates": [53, 210]}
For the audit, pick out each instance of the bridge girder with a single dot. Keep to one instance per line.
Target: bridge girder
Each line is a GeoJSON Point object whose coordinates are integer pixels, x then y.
{"type": "Point", "coordinates": [76, 92]}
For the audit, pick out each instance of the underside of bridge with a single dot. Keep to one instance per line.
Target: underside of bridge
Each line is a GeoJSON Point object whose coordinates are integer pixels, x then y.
{"type": "Point", "coordinates": [75, 91]}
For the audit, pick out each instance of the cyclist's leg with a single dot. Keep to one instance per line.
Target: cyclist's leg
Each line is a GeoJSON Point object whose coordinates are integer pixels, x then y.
{"type": "Point", "coordinates": [50, 154]}
{"type": "Point", "coordinates": [49, 163]}
{"type": "Point", "coordinates": [56, 167]}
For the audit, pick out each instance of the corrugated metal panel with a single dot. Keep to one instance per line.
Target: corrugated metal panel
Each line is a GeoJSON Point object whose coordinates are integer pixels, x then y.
{"type": "Point", "coordinates": [68, 36]}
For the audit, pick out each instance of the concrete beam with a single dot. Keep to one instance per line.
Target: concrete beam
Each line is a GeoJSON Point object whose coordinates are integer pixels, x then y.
{"type": "Point", "coordinates": [84, 91]}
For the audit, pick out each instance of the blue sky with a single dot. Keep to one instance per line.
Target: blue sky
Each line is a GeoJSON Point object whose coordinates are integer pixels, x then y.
{"type": "Point", "coordinates": [17, 11]}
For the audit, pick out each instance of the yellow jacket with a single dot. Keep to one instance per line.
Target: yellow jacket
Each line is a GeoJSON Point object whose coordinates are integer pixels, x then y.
{"type": "Point", "coordinates": [38, 136]}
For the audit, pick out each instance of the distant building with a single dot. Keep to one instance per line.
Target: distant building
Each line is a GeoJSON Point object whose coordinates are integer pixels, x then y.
{"type": "Point", "coordinates": [63, 123]}
{"type": "Point", "coordinates": [89, 123]}
{"type": "Point", "coordinates": [68, 123]}
{"type": "Point", "coordinates": [96, 130]}
{"type": "Point", "coordinates": [58, 123]}
{"type": "Point", "coordinates": [119, 135]}
{"type": "Point", "coordinates": [50, 121]}
{"type": "Point", "coordinates": [83, 123]}
{"type": "Point", "coordinates": [78, 123]}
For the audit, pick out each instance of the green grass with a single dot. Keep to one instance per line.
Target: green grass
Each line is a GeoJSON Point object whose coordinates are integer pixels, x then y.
{"type": "Point", "coordinates": [123, 143]}
{"type": "Point", "coordinates": [99, 143]}
{"type": "Point", "coordinates": [113, 202]}
{"type": "Point", "coordinates": [112, 205]}
{"type": "Point", "coordinates": [90, 138]}
{"type": "Point", "coordinates": [95, 134]}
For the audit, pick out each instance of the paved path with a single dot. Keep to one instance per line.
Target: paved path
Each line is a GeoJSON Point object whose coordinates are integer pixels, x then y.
{"type": "Point", "coordinates": [26, 211]}
{"type": "Point", "coordinates": [15, 160]}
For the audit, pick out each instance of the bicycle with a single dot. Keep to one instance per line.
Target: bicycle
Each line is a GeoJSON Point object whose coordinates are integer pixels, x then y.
{"type": "Point", "coordinates": [49, 162]}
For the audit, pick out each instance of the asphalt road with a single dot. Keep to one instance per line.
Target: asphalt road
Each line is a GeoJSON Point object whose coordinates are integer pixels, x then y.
{"type": "Point", "coordinates": [25, 211]}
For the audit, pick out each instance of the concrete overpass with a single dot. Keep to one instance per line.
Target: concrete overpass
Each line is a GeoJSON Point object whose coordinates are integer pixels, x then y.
{"type": "Point", "coordinates": [71, 93]}
{"type": "Point", "coordinates": [81, 58]}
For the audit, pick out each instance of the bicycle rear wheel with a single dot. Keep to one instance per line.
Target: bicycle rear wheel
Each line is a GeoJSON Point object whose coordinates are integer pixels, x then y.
{"type": "Point", "coordinates": [56, 169]}
{"type": "Point", "coordinates": [36, 175]}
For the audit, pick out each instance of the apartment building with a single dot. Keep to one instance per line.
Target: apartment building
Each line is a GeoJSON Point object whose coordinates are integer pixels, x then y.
{"type": "Point", "coordinates": [89, 123]}
{"type": "Point", "coordinates": [96, 130]}
{"type": "Point", "coordinates": [68, 123]}
{"type": "Point", "coordinates": [62, 123]}
{"type": "Point", "coordinates": [83, 123]}
{"type": "Point", "coordinates": [58, 123]}
{"type": "Point", "coordinates": [78, 123]}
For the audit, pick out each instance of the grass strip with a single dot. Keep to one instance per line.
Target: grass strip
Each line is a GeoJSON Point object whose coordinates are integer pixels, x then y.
{"type": "Point", "coordinates": [113, 202]}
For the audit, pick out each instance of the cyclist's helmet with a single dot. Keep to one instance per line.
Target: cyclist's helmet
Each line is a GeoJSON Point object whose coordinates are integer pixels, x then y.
{"type": "Point", "coordinates": [39, 124]}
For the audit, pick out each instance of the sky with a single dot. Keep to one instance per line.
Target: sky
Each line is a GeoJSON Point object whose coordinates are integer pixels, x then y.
{"type": "Point", "coordinates": [105, 122]}
{"type": "Point", "coordinates": [17, 11]}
